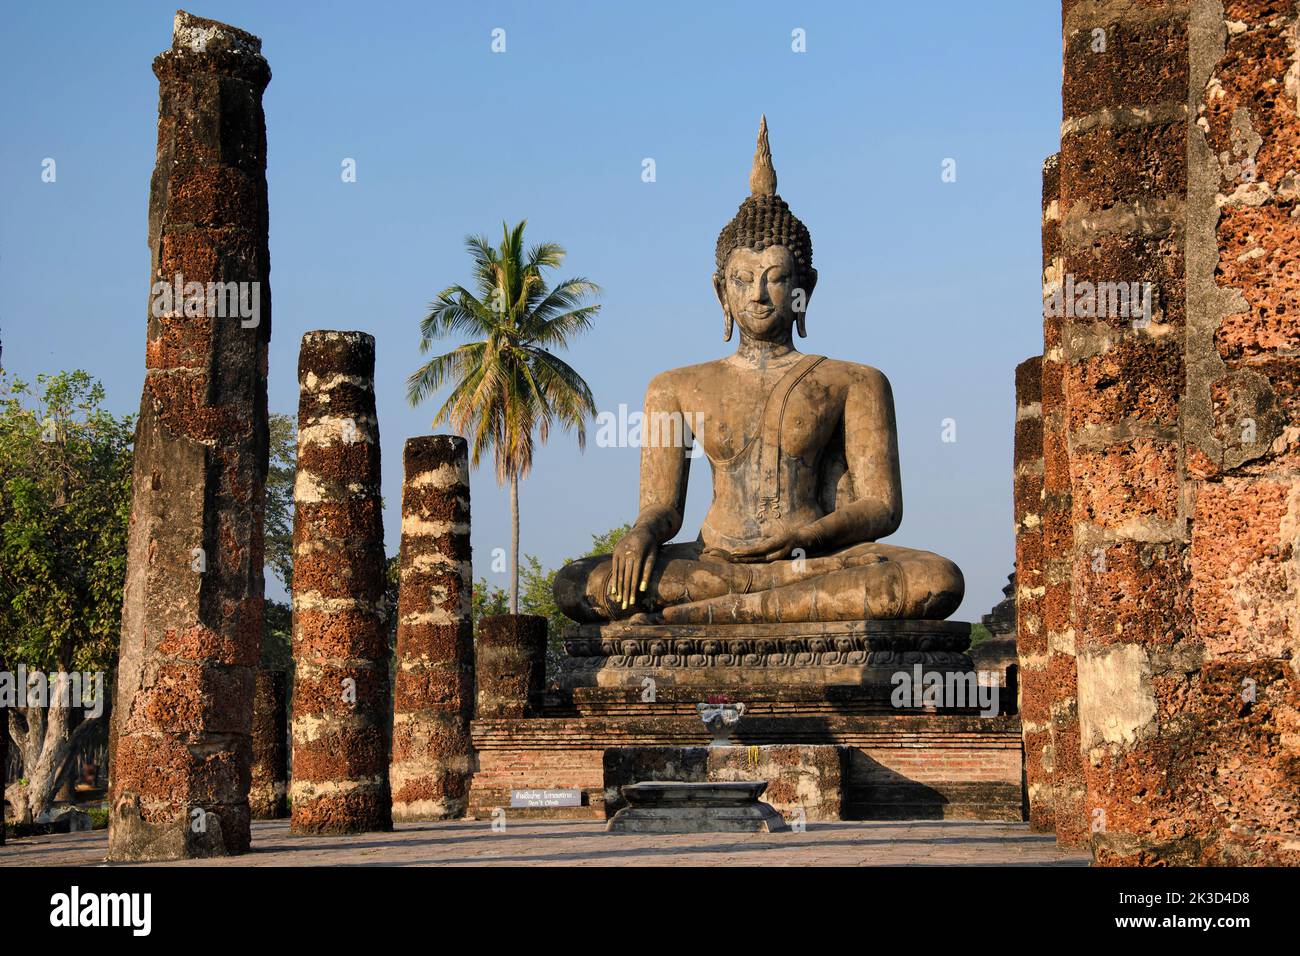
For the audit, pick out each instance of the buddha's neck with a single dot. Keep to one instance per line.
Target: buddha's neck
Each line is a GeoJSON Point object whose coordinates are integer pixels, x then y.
{"type": "Point", "coordinates": [759, 353]}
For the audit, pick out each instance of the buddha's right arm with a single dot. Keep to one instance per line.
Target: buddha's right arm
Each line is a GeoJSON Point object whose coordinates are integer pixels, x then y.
{"type": "Point", "coordinates": [665, 463]}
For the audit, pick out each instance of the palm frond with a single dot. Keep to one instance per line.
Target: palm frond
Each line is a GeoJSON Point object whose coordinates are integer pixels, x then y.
{"type": "Point", "coordinates": [545, 255]}
{"type": "Point", "coordinates": [567, 395]}
{"type": "Point", "coordinates": [559, 331]}
{"type": "Point", "coordinates": [564, 297]}
{"type": "Point", "coordinates": [507, 390]}
{"type": "Point", "coordinates": [456, 311]}
{"type": "Point", "coordinates": [456, 365]}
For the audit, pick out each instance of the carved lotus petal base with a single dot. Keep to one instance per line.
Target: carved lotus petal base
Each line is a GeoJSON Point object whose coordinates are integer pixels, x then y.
{"type": "Point", "coordinates": [840, 652]}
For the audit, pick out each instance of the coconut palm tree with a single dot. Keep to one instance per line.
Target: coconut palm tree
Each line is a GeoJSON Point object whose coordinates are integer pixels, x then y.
{"type": "Point", "coordinates": [507, 384]}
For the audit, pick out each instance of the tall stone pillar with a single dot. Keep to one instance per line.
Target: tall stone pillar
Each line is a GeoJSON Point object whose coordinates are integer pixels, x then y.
{"type": "Point", "coordinates": [1178, 173]}
{"type": "Point", "coordinates": [1123, 183]}
{"type": "Point", "coordinates": [268, 797]}
{"type": "Point", "coordinates": [434, 697]}
{"type": "Point", "coordinates": [1061, 803]}
{"type": "Point", "coordinates": [192, 609]}
{"type": "Point", "coordinates": [509, 663]}
{"type": "Point", "coordinates": [340, 641]}
{"type": "Point", "coordinates": [4, 766]}
{"type": "Point", "coordinates": [1031, 638]}
{"type": "Point", "coordinates": [1241, 420]}
{"type": "Point", "coordinates": [1124, 221]}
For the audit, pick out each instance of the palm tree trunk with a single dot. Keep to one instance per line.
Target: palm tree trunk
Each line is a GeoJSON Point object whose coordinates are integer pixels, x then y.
{"type": "Point", "coordinates": [514, 544]}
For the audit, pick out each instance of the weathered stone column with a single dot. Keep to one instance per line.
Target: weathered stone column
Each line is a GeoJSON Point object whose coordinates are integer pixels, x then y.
{"type": "Point", "coordinates": [1179, 172]}
{"type": "Point", "coordinates": [192, 609]}
{"type": "Point", "coordinates": [1031, 638]}
{"type": "Point", "coordinates": [434, 697]}
{"type": "Point", "coordinates": [1124, 148]}
{"type": "Point", "coordinates": [268, 795]}
{"type": "Point", "coordinates": [1241, 421]}
{"type": "Point", "coordinates": [340, 642]}
{"type": "Point", "coordinates": [1061, 798]}
{"type": "Point", "coordinates": [4, 762]}
{"type": "Point", "coordinates": [509, 663]}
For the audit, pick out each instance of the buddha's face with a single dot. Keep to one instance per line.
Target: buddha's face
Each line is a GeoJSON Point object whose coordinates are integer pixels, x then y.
{"type": "Point", "coordinates": [757, 291]}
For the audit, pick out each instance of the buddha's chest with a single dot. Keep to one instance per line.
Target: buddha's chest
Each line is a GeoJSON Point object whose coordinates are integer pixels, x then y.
{"type": "Point", "coordinates": [742, 416]}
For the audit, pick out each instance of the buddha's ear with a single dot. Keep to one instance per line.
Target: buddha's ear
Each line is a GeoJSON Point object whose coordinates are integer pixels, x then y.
{"type": "Point", "coordinates": [721, 292]}
{"type": "Point", "coordinates": [810, 281]}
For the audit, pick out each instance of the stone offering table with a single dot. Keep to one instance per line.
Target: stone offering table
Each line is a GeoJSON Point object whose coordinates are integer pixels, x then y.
{"type": "Point", "coordinates": [676, 807]}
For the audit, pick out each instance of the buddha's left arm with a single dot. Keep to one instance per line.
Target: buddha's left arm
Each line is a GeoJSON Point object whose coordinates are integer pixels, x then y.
{"type": "Point", "coordinates": [871, 452]}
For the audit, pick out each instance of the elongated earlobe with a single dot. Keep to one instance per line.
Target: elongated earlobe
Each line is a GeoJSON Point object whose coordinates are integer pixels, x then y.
{"type": "Point", "coordinates": [798, 324]}
{"type": "Point", "coordinates": [722, 301]}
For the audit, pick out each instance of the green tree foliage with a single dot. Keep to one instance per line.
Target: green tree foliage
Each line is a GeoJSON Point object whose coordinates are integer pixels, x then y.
{"type": "Point", "coordinates": [277, 629]}
{"type": "Point", "coordinates": [280, 475]}
{"type": "Point", "coordinates": [279, 497]}
{"type": "Point", "coordinates": [978, 635]}
{"type": "Point", "coordinates": [65, 503]}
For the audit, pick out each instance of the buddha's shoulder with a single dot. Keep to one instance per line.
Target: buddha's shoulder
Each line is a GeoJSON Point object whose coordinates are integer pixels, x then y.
{"type": "Point", "coordinates": [688, 375]}
{"type": "Point", "coordinates": [854, 373]}
{"type": "Point", "coordinates": [710, 373]}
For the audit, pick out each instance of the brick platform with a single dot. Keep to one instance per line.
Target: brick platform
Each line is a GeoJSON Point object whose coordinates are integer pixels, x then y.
{"type": "Point", "coordinates": [893, 765]}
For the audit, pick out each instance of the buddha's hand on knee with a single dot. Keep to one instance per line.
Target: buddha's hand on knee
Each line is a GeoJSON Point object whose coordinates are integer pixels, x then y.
{"type": "Point", "coordinates": [634, 559]}
{"type": "Point", "coordinates": [797, 542]}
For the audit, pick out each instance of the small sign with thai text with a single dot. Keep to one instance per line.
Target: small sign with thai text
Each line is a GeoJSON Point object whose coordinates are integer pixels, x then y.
{"type": "Point", "coordinates": [546, 798]}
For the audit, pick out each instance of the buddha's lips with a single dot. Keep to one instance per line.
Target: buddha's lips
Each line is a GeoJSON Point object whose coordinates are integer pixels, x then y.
{"type": "Point", "coordinates": [757, 314]}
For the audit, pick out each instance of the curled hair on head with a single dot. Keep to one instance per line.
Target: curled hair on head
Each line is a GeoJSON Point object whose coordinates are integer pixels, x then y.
{"type": "Point", "coordinates": [764, 220]}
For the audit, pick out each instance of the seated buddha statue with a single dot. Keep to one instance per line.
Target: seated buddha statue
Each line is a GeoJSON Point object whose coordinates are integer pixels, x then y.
{"type": "Point", "coordinates": [804, 455]}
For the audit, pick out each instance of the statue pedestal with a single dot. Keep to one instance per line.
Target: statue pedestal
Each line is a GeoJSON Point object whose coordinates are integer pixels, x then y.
{"type": "Point", "coordinates": [819, 723]}
{"type": "Point", "coordinates": [853, 653]}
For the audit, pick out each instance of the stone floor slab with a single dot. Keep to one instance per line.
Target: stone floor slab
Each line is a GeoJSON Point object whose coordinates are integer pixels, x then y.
{"type": "Point", "coordinates": [585, 843]}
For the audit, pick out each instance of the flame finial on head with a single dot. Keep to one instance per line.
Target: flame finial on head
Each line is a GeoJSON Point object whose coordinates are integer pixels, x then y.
{"type": "Point", "coordinates": [762, 178]}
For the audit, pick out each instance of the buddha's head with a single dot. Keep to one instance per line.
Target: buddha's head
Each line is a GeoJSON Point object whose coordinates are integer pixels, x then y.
{"type": "Point", "coordinates": [764, 259]}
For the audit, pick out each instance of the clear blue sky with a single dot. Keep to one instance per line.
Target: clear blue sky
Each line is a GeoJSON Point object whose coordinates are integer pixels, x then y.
{"type": "Point", "coordinates": [934, 283]}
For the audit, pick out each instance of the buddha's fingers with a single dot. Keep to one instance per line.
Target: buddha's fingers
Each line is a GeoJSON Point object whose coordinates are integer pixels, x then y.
{"type": "Point", "coordinates": [648, 563]}
{"type": "Point", "coordinates": [627, 582]}
{"type": "Point", "coordinates": [759, 550]}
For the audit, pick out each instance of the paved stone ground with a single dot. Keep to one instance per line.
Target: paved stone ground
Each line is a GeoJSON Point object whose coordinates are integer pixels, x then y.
{"type": "Point", "coordinates": [568, 843]}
